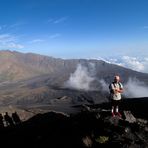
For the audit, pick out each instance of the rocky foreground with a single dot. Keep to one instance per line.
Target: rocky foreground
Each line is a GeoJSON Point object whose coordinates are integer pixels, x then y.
{"type": "Point", "coordinates": [92, 127]}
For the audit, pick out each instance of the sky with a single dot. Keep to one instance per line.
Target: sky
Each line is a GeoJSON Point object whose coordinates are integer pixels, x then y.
{"type": "Point", "coordinates": [114, 30]}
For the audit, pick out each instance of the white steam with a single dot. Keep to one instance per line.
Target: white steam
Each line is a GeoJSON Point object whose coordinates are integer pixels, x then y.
{"type": "Point", "coordinates": [132, 89]}
{"type": "Point", "coordinates": [135, 88]}
{"type": "Point", "coordinates": [104, 85]}
{"type": "Point", "coordinates": [82, 78]}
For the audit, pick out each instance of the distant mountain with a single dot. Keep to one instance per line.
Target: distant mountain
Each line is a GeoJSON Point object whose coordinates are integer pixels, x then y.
{"type": "Point", "coordinates": [31, 78]}
{"type": "Point", "coordinates": [19, 66]}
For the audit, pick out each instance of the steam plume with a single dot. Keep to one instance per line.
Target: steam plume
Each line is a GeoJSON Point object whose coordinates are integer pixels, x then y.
{"type": "Point", "coordinates": [82, 78]}
{"type": "Point", "coordinates": [135, 88]}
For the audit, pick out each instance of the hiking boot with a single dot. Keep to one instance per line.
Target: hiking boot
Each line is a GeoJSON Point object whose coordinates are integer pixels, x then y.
{"type": "Point", "coordinates": [113, 115]}
{"type": "Point", "coordinates": [118, 114]}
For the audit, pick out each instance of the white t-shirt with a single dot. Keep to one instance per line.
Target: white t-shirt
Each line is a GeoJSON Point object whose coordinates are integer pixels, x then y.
{"type": "Point", "coordinates": [116, 96]}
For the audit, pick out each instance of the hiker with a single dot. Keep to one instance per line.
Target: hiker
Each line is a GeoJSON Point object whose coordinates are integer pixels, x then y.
{"type": "Point", "coordinates": [16, 118]}
{"type": "Point", "coordinates": [1, 121]}
{"type": "Point", "coordinates": [116, 88]}
{"type": "Point", "coordinates": [8, 120]}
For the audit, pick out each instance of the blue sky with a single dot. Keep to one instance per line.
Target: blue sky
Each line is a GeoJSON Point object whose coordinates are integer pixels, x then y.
{"type": "Point", "coordinates": [75, 28]}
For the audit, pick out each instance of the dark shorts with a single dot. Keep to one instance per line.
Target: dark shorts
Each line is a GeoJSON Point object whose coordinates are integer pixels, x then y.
{"type": "Point", "coordinates": [115, 102]}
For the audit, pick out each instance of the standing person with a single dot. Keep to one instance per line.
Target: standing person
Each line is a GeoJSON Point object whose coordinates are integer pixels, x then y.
{"type": "Point", "coordinates": [16, 118]}
{"type": "Point", "coordinates": [8, 120]}
{"type": "Point", "coordinates": [116, 88]}
{"type": "Point", "coordinates": [1, 121]}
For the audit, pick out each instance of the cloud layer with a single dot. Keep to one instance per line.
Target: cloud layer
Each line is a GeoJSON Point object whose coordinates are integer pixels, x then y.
{"type": "Point", "coordinates": [134, 63]}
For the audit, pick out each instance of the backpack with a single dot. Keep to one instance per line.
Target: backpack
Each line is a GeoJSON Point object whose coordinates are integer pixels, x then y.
{"type": "Point", "coordinates": [110, 88]}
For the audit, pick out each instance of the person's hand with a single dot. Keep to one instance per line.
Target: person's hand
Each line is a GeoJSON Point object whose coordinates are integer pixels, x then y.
{"type": "Point", "coordinates": [118, 90]}
{"type": "Point", "coordinates": [115, 91]}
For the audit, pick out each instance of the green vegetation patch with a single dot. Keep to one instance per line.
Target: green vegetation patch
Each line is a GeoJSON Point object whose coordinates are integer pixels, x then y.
{"type": "Point", "coordinates": [102, 139]}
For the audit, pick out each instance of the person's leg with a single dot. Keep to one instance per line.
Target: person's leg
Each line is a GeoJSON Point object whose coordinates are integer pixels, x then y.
{"type": "Point", "coordinates": [117, 108]}
{"type": "Point", "coordinates": [113, 108]}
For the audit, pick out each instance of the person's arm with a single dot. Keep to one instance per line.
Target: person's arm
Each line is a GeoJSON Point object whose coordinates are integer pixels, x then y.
{"type": "Point", "coordinates": [114, 90]}
{"type": "Point", "coordinates": [120, 90]}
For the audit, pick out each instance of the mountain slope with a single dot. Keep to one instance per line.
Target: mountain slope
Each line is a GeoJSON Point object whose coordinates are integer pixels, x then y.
{"type": "Point", "coordinates": [19, 66]}
{"type": "Point", "coordinates": [32, 78]}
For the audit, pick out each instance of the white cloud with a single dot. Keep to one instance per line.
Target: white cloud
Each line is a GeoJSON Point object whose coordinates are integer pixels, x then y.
{"type": "Point", "coordinates": [57, 21]}
{"type": "Point", "coordinates": [62, 19]}
{"type": "Point", "coordinates": [16, 24]}
{"type": "Point", "coordinates": [15, 45]}
{"type": "Point", "coordinates": [9, 41]}
{"type": "Point", "coordinates": [5, 38]}
{"type": "Point", "coordinates": [36, 41]}
{"type": "Point", "coordinates": [134, 63]}
{"type": "Point", "coordinates": [56, 35]}
{"type": "Point", "coordinates": [111, 61]}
